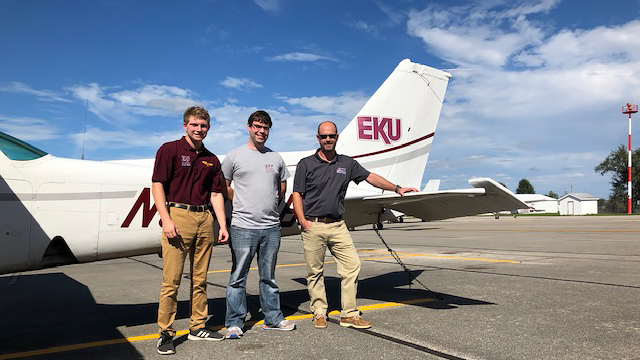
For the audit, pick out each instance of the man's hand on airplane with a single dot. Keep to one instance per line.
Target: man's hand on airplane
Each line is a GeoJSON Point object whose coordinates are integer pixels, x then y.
{"type": "Point", "coordinates": [402, 190]}
{"type": "Point", "coordinates": [384, 184]}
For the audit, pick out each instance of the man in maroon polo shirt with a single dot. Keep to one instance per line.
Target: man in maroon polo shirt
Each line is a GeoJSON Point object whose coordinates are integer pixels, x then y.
{"type": "Point", "coordinates": [186, 186]}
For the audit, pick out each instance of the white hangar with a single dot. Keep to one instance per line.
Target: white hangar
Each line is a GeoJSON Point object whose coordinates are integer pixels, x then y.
{"type": "Point", "coordinates": [578, 204]}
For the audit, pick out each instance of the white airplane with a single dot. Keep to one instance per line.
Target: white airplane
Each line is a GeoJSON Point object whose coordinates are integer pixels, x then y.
{"type": "Point", "coordinates": [58, 211]}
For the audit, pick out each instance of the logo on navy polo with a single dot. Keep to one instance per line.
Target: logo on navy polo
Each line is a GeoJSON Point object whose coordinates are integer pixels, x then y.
{"type": "Point", "coordinates": [377, 128]}
{"type": "Point", "coordinates": [186, 160]}
{"type": "Point", "coordinates": [341, 170]}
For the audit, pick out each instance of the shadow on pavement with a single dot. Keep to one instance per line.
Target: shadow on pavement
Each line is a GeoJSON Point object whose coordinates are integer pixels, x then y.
{"type": "Point", "coordinates": [390, 287]}
{"type": "Point", "coordinates": [48, 310]}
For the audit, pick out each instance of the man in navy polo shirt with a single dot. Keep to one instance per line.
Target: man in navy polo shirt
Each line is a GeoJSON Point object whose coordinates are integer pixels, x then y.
{"type": "Point", "coordinates": [187, 184]}
{"type": "Point", "coordinates": [319, 188]}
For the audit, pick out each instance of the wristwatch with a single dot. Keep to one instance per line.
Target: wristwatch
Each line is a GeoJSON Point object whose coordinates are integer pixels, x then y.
{"type": "Point", "coordinates": [397, 187]}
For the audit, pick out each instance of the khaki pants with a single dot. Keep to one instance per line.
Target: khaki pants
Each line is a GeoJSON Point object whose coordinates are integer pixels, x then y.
{"type": "Point", "coordinates": [336, 237]}
{"type": "Point", "coordinates": [196, 239]}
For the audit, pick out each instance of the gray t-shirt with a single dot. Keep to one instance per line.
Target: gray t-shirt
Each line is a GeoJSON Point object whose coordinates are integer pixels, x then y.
{"type": "Point", "coordinates": [256, 176]}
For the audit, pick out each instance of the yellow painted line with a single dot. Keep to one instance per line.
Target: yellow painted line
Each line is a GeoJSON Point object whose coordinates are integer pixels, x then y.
{"type": "Point", "coordinates": [66, 348]}
{"type": "Point", "coordinates": [547, 230]}
{"type": "Point", "coordinates": [453, 257]}
{"type": "Point", "coordinates": [277, 267]}
{"type": "Point", "coordinates": [448, 257]}
{"type": "Point", "coordinates": [441, 257]}
{"type": "Point", "coordinates": [132, 339]}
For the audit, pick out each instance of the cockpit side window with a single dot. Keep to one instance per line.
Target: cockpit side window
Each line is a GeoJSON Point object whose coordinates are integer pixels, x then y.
{"type": "Point", "coordinates": [16, 149]}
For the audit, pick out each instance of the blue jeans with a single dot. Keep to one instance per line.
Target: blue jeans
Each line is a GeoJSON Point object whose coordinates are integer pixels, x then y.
{"type": "Point", "coordinates": [244, 245]}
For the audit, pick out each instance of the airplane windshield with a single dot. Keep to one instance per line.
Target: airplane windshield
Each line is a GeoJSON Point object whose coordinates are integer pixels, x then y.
{"type": "Point", "coordinates": [16, 149]}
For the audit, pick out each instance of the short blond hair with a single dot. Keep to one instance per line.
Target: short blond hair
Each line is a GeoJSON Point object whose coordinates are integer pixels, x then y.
{"type": "Point", "coordinates": [197, 112]}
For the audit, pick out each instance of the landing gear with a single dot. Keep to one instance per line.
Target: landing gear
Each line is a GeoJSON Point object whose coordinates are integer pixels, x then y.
{"type": "Point", "coordinates": [378, 226]}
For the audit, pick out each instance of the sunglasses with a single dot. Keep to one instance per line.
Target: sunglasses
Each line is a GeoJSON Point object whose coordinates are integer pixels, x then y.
{"type": "Point", "coordinates": [324, 136]}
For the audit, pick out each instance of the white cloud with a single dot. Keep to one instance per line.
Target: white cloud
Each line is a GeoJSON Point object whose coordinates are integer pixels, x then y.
{"type": "Point", "coordinates": [538, 101]}
{"type": "Point", "coordinates": [269, 5]}
{"type": "Point", "coordinates": [601, 45]}
{"type": "Point", "coordinates": [126, 105]}
{"type": "Point", "coordinates": [240, 83]}
{"type": "Point", "coordinates": [124, 108]}
{"type": "Point", "coordinates": [395, 17]}
{"type": "Point", "coordinates": [43, 95]}
{"type": "Point", "coordinates": [346, 105]}
{"type": "Point", "coordinates": [28, 129]}
{"type": "Point", "coordinates": [480, 33]}
{"type": "Point", "coordinates": [97, 138]}
{"type": "Point", "coordinates": [299, 56]}
{"type": "Point", "coordinates": [229, 130]}
{"type": "Point", "coordinates": [368, 28]}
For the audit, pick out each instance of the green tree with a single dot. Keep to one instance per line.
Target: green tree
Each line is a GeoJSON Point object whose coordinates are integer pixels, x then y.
{"type": "Point", "coordinates": [552, 194]}
{"type": "Point", "coordinates": [616, 163]}
{"type": "Point", "coordinates": [525, 187]}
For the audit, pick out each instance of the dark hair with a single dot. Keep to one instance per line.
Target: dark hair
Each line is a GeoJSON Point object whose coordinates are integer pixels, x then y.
{"type": "Point", "coordinates": [260, 116]}
{"type": "Point", "coordinates": [197, 112]}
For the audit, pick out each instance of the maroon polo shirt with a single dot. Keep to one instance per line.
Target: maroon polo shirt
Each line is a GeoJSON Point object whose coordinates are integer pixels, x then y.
{"type": "Point", "coordinates": [188, 177]}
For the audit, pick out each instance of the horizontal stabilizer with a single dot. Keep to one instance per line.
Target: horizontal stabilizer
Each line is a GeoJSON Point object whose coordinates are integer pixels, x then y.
{"type": "Point", "coordinates": [487, 196]}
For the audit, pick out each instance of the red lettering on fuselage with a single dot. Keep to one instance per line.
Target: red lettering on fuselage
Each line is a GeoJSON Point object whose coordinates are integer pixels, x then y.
{"type": "Point", "coordinates": [375, 128]}
{"type": "Point", "coordinates": [287, 216]}
{"type": "Point", "coordinates": [148, 212]}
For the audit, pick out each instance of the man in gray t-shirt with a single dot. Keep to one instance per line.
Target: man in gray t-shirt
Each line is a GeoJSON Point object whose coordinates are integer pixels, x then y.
{"type": "Point", "coordinates": [260, 177]}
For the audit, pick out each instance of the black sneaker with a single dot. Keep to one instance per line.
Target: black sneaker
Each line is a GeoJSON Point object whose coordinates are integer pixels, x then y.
{"type": "Point", "coordinates": [205, 334]}
{"type": "Point", "coordinates": [165, 344]}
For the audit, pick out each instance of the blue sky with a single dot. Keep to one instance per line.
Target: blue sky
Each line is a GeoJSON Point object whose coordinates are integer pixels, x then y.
{"type": "Point", "coordinates": [538, 93]}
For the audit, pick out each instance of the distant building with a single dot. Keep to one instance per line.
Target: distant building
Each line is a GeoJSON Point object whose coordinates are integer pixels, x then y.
{"type": "Point", "coordinates": [538, 203]}
{"type": "Point", "coordinates": [578, 204]}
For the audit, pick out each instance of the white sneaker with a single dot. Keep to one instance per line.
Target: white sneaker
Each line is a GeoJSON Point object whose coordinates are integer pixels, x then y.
{"type": "Point", "coordinates": [233, 332]}
{"type": "Point", "coordinates": [284, 325]}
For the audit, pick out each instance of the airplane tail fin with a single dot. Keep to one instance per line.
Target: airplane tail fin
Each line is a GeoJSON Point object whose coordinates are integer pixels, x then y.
{"type": "Point", "coordinates": [392, 134]}
{"type": "Point", "coordinates": [432, 186]}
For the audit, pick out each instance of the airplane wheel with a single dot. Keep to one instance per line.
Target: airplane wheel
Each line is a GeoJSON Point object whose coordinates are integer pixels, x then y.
{"type": "Point", "coordinates": [378, 226]}
{"type": "Point", "coordinates": [497, 216]}
{"type": "Point", "coordinates": [401, 219]}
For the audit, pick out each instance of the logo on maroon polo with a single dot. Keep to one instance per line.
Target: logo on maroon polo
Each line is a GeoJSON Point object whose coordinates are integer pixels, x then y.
{"type": "Point", "coordinates": [378, 128]}
{"type": "Point", "coordinates": [186, 160]}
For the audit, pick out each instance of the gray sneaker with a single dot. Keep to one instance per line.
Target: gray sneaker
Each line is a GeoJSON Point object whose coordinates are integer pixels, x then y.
{"type": "Point", "coordinates": [204, 334]}
{"type": "Point", "coordinates": [232, 332]}
{"type": "Point", "coordinates": [284, 325]}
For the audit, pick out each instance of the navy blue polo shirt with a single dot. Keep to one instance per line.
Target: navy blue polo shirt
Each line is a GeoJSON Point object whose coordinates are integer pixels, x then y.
{"type": "Point", "coordinates": [323, 184]}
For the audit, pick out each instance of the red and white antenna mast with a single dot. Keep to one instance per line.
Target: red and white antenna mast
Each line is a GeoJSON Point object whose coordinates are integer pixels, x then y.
{"type": "Point", "coordinates": [629, 109]}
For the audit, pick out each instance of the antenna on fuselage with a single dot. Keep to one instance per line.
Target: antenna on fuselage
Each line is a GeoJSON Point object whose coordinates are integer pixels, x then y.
{"type": "Point", "coordinates": [84, 133]}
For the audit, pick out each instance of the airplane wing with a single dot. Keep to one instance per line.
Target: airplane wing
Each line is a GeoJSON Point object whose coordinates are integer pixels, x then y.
{"type": "Point", "coordinates": [487, 196]}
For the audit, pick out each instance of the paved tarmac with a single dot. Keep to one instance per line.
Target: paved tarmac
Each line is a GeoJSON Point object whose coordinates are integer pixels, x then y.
{"type": "Point", "coordinates": [525, 288]}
